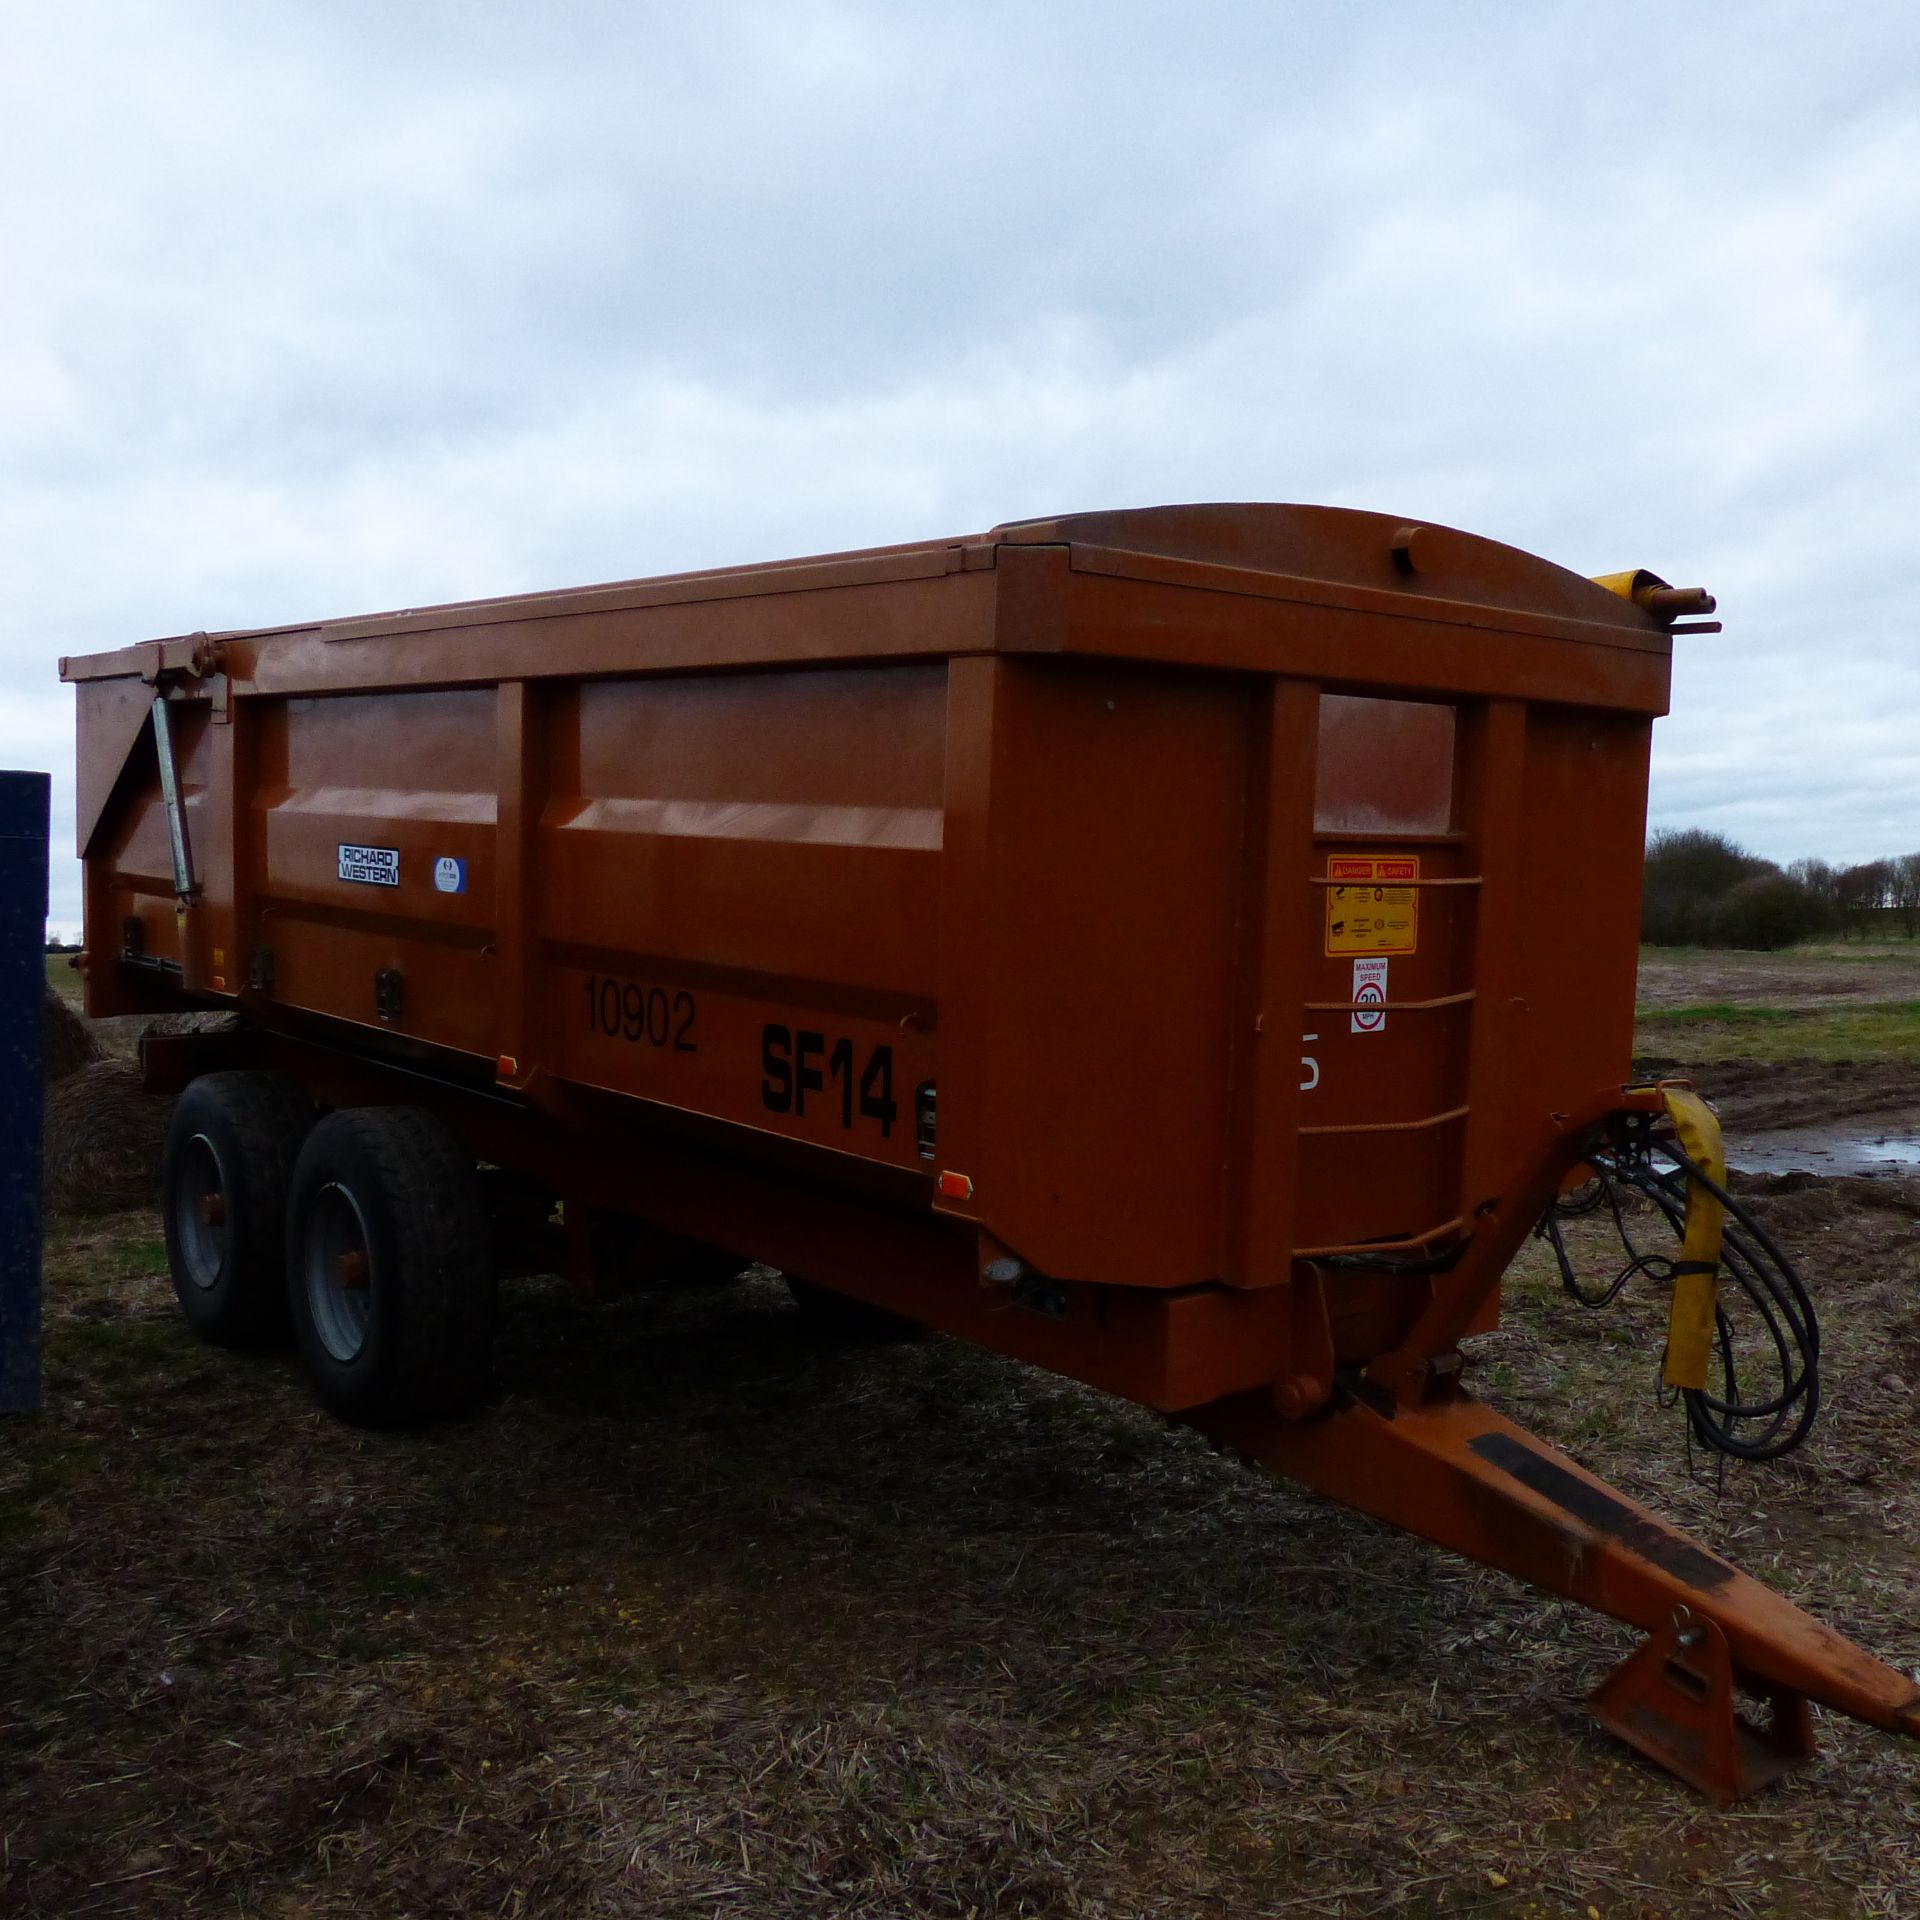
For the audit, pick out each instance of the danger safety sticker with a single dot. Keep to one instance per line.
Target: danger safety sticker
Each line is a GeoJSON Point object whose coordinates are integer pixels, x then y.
{"type": "Point", "coordinates": [1371, 907]}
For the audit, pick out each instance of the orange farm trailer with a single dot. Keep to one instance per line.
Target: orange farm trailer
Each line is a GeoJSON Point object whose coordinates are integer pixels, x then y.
{"type": "Point", "coordinates": [1188, 949]}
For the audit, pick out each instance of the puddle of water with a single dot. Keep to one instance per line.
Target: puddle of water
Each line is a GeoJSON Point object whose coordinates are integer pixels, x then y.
{"type": "Point", "coordinates": [1824, 1150]}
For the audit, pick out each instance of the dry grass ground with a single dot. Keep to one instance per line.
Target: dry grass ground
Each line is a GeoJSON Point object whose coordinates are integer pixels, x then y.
{"type": "Point", "coordinates": [1818, 976]}
{"type": "Point", "coordinates": [711, 1615]}
{"type": "Point", "coordinates": [63, 977]}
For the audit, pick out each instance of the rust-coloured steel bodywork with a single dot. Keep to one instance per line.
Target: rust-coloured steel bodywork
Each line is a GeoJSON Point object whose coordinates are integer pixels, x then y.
{"type": "Point", "coordinates": [987, 928]}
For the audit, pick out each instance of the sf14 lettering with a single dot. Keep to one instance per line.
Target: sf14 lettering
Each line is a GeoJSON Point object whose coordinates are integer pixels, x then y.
{"type": "Point", "coordinates": [796, 1063]}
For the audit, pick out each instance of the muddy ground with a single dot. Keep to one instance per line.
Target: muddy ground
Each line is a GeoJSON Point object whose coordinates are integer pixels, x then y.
{"type": "Point", "coordinates": [712, 1614]}
{"type": "Point", "coordinates": [1756, 1097]}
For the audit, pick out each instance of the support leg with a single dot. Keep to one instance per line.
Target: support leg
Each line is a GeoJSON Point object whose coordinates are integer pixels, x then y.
{"type": "Point", "coordinates": [1676, 1699]}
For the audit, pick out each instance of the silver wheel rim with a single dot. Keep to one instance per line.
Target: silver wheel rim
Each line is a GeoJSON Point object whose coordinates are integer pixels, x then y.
{"type": "Point", "coordinates": [337, 1266]}
{"type": "Point", "coordinates": [200, 1213]}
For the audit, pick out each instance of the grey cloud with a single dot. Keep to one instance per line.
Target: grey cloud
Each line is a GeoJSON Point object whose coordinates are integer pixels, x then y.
{"type": "Point", "coordinates": [317, 308]}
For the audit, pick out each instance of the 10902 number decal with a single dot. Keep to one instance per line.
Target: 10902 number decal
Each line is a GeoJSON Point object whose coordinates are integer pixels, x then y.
{"type": "Point", "coordinates": [796, 1063]}
{"type": "Point", "coordinates": [646, 1016]}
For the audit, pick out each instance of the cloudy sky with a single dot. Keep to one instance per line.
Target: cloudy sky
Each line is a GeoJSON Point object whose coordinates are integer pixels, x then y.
{"type": "Point", "coordinates": [311, 309]}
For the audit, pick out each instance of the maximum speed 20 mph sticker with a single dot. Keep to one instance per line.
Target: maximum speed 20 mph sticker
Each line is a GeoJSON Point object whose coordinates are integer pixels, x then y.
{"type": "Point", "coordinates": [1370, 995]}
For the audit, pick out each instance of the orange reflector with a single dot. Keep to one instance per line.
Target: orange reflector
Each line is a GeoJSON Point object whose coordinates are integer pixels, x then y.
{"type": "Point", "coordinates": [506, 1066]}
{"type": "Point", "coordinates": [955, 1186]}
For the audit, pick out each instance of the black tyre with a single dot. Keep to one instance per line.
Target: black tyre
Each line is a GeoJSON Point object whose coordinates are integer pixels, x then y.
{"type": "Point", "coordinates": [390, 1276]}
{"type": "Point", "coordinates": [231, 1147]}
{"type": "Point", "coordinates": [843, 1316]}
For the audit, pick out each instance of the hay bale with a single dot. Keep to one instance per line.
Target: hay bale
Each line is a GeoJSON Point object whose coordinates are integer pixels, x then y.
{"type": "Point", "coordinates": [67, 1043]}
{"type": "Point", "coordinates": [104, 1140]}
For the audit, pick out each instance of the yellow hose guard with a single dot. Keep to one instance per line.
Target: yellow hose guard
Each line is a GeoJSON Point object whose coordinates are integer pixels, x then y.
{"type": "Point", "coordinates": [1690, 1319]}
{"type": "Point", "coordinates": [1632, 585]}
{"type": "Point", "coordinates": [1652, 595]}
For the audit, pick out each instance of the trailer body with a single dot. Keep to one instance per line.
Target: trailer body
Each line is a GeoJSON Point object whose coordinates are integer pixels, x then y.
{"type": "Point", "coordinates": [1174, 946]}
{"type": "Point", "coordinates": [1002, 859]}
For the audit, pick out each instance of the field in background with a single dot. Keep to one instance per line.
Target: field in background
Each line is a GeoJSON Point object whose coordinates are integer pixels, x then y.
{"type": "Point", "coordinates": [1730, 1030]}
{"type": "Point", "coordinates": [63, 978]}
{"type": "Point", "coordinates": [711, 1614]}
{"type": "Point", "coordinates": [1846, 1000]}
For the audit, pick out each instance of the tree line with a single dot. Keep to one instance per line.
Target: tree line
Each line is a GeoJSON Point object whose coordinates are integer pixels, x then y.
{"type": "Point", "coordinates": [1704, 890]}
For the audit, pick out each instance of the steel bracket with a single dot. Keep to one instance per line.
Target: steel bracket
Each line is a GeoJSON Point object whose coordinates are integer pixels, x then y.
{"type": "Point", "coordinates": [1308, 1384]}
{"type": "Point", "coordinates": [389, 993]}
{"type": "Point", "coordinates": [173, 799]}
{"type": "Point", "coordinates": [1675, 1699]}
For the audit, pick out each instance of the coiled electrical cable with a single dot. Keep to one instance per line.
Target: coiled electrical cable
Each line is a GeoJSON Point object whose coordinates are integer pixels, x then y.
{"type": "Point", "coordinates": [1765, 1290]}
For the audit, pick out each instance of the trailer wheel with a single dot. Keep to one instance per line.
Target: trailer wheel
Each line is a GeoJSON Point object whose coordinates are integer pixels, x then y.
{"type": "Point", "coordinates": [231, 1147]}
{"type": "Point", "coordinates": [390, 1277]}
